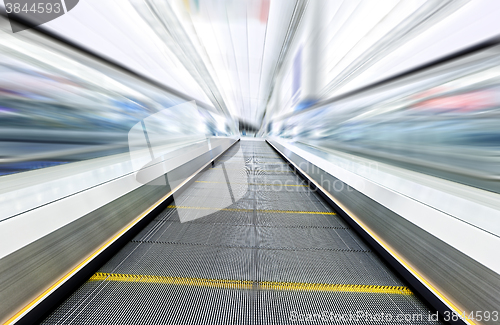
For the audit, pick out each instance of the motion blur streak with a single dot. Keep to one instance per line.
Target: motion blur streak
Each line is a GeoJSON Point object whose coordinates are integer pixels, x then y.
{"type": "Point", "coordinates": [120, 129]}
{"type": "Point", "coordinates": [59, 105]}
{"type": "Point", "coordinates": [260, 64]}
{"type": "Point", "coordinates": [442, 121]}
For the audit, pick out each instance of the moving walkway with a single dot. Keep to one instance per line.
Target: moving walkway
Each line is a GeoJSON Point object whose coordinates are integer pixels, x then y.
{"type": "Point", "coordinates": [248, 241]}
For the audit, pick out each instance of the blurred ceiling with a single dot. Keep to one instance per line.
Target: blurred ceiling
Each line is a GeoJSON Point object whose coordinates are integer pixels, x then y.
{"type": "Point", "coordinates": [233, 54]}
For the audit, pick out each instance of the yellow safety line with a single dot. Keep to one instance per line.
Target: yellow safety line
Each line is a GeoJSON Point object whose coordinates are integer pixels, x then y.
{"type": "Point", "coordinates": [249, 210]}
{"type": "Point", "coordinates": [261, 170]}
{"type": "Point", "coordinates": [380, 241]}
{"type": "Point", "coordinates": [244, 284]}
{"type": "Point", "coordinates": [102, 248]}
{"type": "Point", "coordinates": [260, 162]}
{"type": "Point", "coordinates": [249, 157]}
{"type": "Point", "coordinates": [252, 184]}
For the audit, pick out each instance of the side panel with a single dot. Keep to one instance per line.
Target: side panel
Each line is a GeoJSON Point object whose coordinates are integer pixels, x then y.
{"type": "Point", "coordinates": [30, 271]}
{"type": "Point", "coordinates": [468, 284]}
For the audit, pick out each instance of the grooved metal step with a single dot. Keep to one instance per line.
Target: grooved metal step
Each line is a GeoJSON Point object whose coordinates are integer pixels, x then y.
{"type": "Point", "coordinates": [261, 248]}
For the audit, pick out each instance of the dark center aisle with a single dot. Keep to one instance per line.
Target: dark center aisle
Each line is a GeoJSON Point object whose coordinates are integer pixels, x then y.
{"type": "Point", "coordinates": [247, 243]}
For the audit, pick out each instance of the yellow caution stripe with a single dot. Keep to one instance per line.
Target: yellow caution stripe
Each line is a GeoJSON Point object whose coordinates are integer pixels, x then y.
{"type": "Point", "coordinates": [243, 284]}
{"type": "Point", "coordinates": [252, 184]}
{"type": "Point", "coordinates": [256, 163]}
{"type": "Point", "coordinates": [250, 210]}
{"type": "Point", "coordinates": [258, 157]}
{"type": "Point", "coordinates": [261, 170]}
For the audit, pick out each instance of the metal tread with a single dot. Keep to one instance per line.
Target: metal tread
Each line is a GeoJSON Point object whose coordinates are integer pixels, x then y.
{"type": "Point", "coordinates": [274, 252]}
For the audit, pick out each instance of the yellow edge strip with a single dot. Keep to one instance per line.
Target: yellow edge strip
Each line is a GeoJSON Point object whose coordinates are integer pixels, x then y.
{"type": "Point", "coordinates": [260, 162]}
{"type": "Point", "coordinates": [250, 210]}
{"type": "Point", "coordinates": [103, 247]}
{"type": "Point", "coordinates": [258, 157]}
{"type": "Point", "coordinates": [242, 284]}
{"type": "Point", "coordinates": [251, 184]}
{"type": "Point", "coordinates": [261, 170]}
{"type": "Point", "coordinates": [379, 240]}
